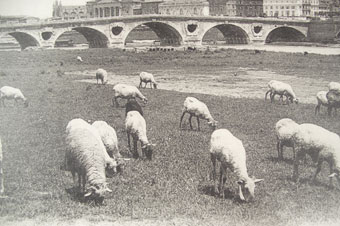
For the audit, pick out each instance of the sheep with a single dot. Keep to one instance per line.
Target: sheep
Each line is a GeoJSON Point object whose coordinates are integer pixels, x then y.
{"type": "Point", "coordinates": [126, 92]}
{"type": "Point", "coordinates": [101, 74]}
{"type": "Point", "coordinates": [334, 86]}
{"type": "Point", "coordinates": [146, 78]}
{"type": "Point", "coordinates": [109, 137]}
{"type": "Point", "coordinates": [321, 145]}
{"type": "Point", "coordinates": [229, 151]}
{"type": "Point", "coordinates": [9, 93]}
{"type": "Point", "coordinates": [282, 89]}
{"type": "Point", "coordinates": [285, 129]}
{"type": "Point", "coordinates": [136, 127]}
{"type": "Point", "coordinates": [321, 98]}
{"type": "Point", "coordinates": [333, 97]}
{"type": "Point", "coordinates": [198, 109]}
{"type": "Point", "coordinates": [79, 59]}
{"type": "Point", "coordinates": [2, 188]}
{"type": "Point", "coordinates": [85, 156]}
{"type": "Point", "coordinates": [133, 105]}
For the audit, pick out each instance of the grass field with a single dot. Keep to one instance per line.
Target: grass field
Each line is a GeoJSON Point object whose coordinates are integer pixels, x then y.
{"type": "Point", "coordinates": [174, 188]}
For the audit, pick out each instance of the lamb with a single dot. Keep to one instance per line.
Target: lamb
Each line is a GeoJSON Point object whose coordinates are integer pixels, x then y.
{"type": "Point", "coordinates": [229, 151]}
{"type": "Point", "coordinates": [133, 105]}
{"type": "Point", "coordinates": [10, 93]}
{"type": "Point", "coordinates": [146, 78]}
{"type": "Point", "coordinates": [321, 145]}
{"type": "Point", "coordinates": [79, 59]}
{"type": "Point", "coordinates": [285, 129]}
{"type": "Point", "coordinates": [198, 109]}
{"type": "Point", "coordinates": [333, 97]}
{"type": "Point", "coordinates": [334, 86]}
{"type": "Point", "coordinates": [126, 92]}
{"type": "Point", "coordinates": [101, 74]}
{"type": "Point", "coordinates": [283, 89]}
{"type": "Point", "coordinates": [85, 156]}
{"type": "Point", "coordinates": [135, 125]}
{"type": "Point", "coordinates": [109, 137]}
{"type": "Point", "coordinates": [321, 98]}
{"type": "Point", "coordinates": [2, 188]}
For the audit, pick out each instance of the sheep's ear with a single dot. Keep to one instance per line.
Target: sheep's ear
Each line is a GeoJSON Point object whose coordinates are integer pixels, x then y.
{"type": "Point", "coordinates": [108, 189]}
{"type": "Point", "coordinates": [258, 180]}
{"type": "Point", "coordinates": [333, 175]}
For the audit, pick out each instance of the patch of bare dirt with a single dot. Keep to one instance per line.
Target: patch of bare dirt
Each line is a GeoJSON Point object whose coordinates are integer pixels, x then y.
{"type": "Point", "coordinates": [232, 82]}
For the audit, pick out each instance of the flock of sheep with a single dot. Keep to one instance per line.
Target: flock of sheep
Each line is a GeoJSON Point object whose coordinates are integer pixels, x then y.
{"type": "Point", "coordinates": [92, 149]}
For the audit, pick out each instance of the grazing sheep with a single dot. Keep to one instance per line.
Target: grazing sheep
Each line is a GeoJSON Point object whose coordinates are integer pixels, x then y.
{"type": "Point", "coordinates": [321, 98]}
{"type": "Point", "coordinates": [285, 129]}
{"type": "Point", "coordinates": [334, 86]}
{"type": "Point", "coordinates": [198, 109]}
{"type": "Point", "coordinates": [2, 188]}
{"type": "Point", "coordinates": [333, 97]}
{"type": "Point", "coordinates": [109, 137]}
{"type": "Point", "coordinates": [282, 89]}
{"type": "Point", "coordinates": [229, 151]}
{"type": "Point", "coordinates": [135, 125]}
{"type": "Point", "coordinates": [10, 93]}
{"type": "Point", "coordinates": [101, 74]}
{"type": "Point", "coordinates": [133, 105]}
{"type": "Point", "coordinates": [79, 59]}
{"type": "Point", "coordinates": [146, 78]}
{"type": "Point", "coordinates": [321, 145]}
{"type": "Point", "coordinates": [126, 92]}
{"type": "Point", "coordinates": [85, 157]}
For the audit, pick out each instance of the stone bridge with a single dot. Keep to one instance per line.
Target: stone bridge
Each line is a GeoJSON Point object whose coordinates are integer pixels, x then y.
{"type": "Point", "coordinates": [171, 30]}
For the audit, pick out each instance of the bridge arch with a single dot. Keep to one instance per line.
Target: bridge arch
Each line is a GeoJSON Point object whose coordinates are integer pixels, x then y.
{"type": "Point", "coordinates": [167, 34]}
{"type": "Point", "coordinates": [285, 34]}
{"type": "Point", "coordinates": [94, 37]}
{"type": "Point", "coordinates": [232, 34]}
{"type": "Point", "coordinates": [24, 39]}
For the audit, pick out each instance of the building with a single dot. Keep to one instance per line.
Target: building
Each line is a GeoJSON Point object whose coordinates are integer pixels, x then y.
{"type": "Point", "coordinates": [249, 8]}
{"type": "Point", "coordinates": [184, 8]}
{"type": "Point", "coordinates": [68, 12]}
{"type": "Point", "coordinates": [222, 7]}
{"type": "Point", "coordinates": [150, 7]}
{"type": "Point", "coordinates": [286, 8]}
{"type": "Point", "coordinates": [18, 20]}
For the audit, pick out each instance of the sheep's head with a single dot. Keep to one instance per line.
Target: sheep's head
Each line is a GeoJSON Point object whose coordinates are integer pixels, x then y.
{"type": "Point", "coordinates": [247, 188]}
{"type": "Point", "coordinates": [212, 123]}
{"type": "Point", "coordinates": [96, 193]}
{"type": "Point", "coordinates": [111, 167]}
{"type": "Point", "coordinates": [155, 85]}
{"type": "Point", "coordinates": [147, 149]}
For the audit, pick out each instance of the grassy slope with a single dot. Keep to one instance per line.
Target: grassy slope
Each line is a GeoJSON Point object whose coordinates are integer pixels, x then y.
{"type": "Point", "coordinates": [176, 183]}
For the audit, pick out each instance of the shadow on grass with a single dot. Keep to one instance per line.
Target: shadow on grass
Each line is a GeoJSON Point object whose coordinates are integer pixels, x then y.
{"type": "Point", "coordinates": [228, 193]}
{"type": "Point", "coordinates": [277, 160]}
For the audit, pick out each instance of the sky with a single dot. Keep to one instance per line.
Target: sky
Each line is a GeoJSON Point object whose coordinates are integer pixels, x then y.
{"type": "Point", "coordinates": [36, 8]}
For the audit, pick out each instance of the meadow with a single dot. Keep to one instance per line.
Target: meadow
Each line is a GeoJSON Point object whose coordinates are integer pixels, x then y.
{"type": "Point", "coordinates": [175, 187]}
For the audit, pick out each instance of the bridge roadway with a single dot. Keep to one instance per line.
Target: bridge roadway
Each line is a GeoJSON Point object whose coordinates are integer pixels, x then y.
{"type": "Point", "coordinates": [171, 30]}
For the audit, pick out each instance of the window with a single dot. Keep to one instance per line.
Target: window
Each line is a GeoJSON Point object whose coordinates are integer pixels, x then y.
{"type": "Point", "coordinates": [112, 11]}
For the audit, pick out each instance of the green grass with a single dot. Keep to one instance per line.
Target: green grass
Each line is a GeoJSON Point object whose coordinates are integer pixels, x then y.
{"type": "Point", "coordinates": [176, 184]}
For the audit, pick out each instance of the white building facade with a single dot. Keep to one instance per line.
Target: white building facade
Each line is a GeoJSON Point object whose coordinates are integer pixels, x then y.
{"type": "Point", "coordinates": [185, 8]}
{"type": "Point", "coordinates": [290, 8]}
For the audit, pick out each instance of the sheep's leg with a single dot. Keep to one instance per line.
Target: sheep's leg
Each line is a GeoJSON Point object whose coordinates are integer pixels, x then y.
{"type": "Point", "coordinates": [329, 110]}
{"type": "Point", "coordinates": [318, 169]}
{"type": "Point", "coordinates": [279, 150]}
{"type": "Point", "coordinates": [331, 170]}
{"type": "Point", "coordinates": [190, 121]}
{"type": "Point", "coordinates": [145, 85]}
{"type": "Point", "coordinates": [128, 136]}
{"type": "Point", "coordinates": [299, 155]}
{"type": "Point", "coordinates": [272, 96]}
{"type": "Point", "coordinates": [213, 160]}
{"type": "Point", "coordinates": [222, 180]}
{"type": "Point", "coordinates": [268, 92]}
{"type": "Point", "coordinates": [198, 123]}
{"type": "Point", "coordinates": [180, 123]}
{"type": "Point", "coordinates": [135, 148]}
{"type": "Point", "coordinates": [74, 178]}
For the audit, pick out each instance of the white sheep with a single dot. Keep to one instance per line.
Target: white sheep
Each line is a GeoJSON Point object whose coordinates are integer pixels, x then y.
{"type": "Point", "coordinates": [229, 151]}
{"type": "Point", "coordinates": [126, 92]}
{"type": "Point", "coordinates": [109, 138]}
{"type": "Point", "coordinates": [135, 126]}
{"type": "Point", "coordinates": [79, 59]}
{"type": "Point", "coordinates": [321, 145]}
{"type": "Point", "coordinates": [101, 74]}
{"type": "Point", "coordinates": [285, 129]}
{"type": "Point", "coordinates": [196, 108]}
{"type": "Point", "coordinates": [85, 157]}
{"type": "Point", "coordinates": [2, 188]}
{"type": "Point", "coordinates": [334, 86]}
{"type": "Point", "coordinates": [321, 98]}
{"type": "Point", "coordinates": [10, 93]}
{"type": "Point", "coordinates": [146, 78]}
{"type": "Point", "coordinates": [282, 89]}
